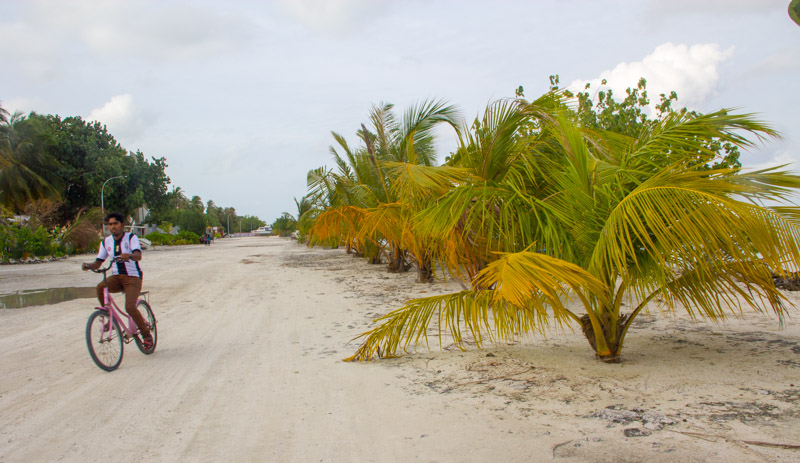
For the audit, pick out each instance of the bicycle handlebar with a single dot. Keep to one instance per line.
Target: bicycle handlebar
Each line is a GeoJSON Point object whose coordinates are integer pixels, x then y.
{"type": "Point", "coordinates": [113, 261]}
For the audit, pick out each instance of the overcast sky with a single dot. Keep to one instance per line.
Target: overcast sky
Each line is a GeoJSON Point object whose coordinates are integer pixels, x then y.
{"type": "Point", "coordinates": [241, 96]}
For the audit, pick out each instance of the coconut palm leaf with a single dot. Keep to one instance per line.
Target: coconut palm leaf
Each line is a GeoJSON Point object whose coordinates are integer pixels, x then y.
{"type": "Point", "coordinates": [416, 134]}
{"type": "Point", "coordinates": [408, 326]}
{"type": "Point", "coordinates": [527, 286]}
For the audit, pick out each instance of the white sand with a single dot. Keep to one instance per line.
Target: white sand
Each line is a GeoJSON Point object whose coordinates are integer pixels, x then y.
{"type": "Point", "coordinates": [248, 368]}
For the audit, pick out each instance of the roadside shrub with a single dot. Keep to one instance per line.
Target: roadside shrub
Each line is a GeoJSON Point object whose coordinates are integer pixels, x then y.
{"type": "Point", "coordinates": [163, 239]}
{"type": "Point", "coordinates": [20, 242]}
{"type": "Point", "coordinates": [159, 239]}
{"type": "Point", "coordinates": [189, 237]}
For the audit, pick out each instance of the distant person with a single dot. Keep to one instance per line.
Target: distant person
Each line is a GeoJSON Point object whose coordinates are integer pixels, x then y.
{"type": "Point", "coordinates": [126, 273]}
{"type": "Point", "coordinates": [209, 235]}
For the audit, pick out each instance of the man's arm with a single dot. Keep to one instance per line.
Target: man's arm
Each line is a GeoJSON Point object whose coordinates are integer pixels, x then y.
{"type": "Point", "coordinates": [135, 256]}
{"type": "Point", "coordinates": [92, 265]}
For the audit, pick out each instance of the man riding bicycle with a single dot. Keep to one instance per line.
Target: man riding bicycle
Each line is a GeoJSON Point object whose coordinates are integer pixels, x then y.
{"type": "Point", "coordinates": [126, 273]}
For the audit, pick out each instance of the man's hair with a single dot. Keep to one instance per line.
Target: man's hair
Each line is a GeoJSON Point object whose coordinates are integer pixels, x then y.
{"type": "Point", "coordinates": [116, 215]}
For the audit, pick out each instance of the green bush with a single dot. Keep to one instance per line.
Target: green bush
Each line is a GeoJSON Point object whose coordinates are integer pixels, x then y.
{"type": "Point", "coordinates": [159, 239]}
{"type": "Point", "coordinates": [20, 242]}
{"type": "Point", "coordinates": [163, 239]}
{"type": "Point", "coordinates": [189, 237]}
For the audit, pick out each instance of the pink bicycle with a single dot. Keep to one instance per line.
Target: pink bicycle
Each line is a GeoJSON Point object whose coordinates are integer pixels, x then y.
{"type": "Point", "coordinates": [108, 327]}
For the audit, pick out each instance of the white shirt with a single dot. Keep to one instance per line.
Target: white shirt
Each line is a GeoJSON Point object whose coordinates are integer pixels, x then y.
{"type": "Point", "coordinates": [127, 245]}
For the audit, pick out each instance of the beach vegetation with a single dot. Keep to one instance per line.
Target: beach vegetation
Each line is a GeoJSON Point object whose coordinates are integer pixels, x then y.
{"type": "Point", "coordinates": [180, 238]}
{"type": "Point", "coordinates": [367, 204]}
{"type": "Point", "coordinates": [284, 225]}
{"type": "Point", "coordinates": [547, 218]}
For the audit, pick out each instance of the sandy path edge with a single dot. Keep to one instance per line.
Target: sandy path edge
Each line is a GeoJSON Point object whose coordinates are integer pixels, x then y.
{"type": "Point", "coordinates": [248, 368]}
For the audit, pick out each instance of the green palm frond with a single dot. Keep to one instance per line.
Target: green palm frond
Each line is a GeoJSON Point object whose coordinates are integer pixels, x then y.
{"type": "Point", "coordinates": [417, 183]}
{"type": "Point", "coordinates": [682, 136]}
{"type": "Point", "coordinates": [494, 144]}
{"type": "Point", "coordinates": [772, 184]}
{"type": "Point", "coordinates": [685, 220]}
{"type": "Point", "coordinates": [713, 291]}
{"type": "Point", "coordinates": [416, 135]}
{"type": "Point", "coordinates": [385, 125]}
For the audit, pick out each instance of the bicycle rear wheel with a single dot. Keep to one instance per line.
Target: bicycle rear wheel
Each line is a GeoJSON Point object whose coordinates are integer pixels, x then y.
{"type": "Point", "coordinates": [144, 309]}
{"type": "Point", "coordinates": [104, 340]}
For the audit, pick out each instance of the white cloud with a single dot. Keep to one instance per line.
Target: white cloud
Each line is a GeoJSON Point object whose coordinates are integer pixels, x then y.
{"type": "Point", "coordinates": [692, 71]}
{"type": "Point", "coordinates": [21, 105]}
{"type": "Point", "coordinates": [172, 32]}
{"type": "Point", "coordinates": [146, 29]}
{"type": "Point", "coordinates": [715, 7]}
{"type": "Point", "coordinates": [37, 59]}
{"type": "Point", "coordinates": [122, 118]}
{"type": "Point", "coordinates": [782, 157]}
{"type": "Point", "coordinates": [334, 16]}
{"type": "Point", "coordinates": [781, 61]}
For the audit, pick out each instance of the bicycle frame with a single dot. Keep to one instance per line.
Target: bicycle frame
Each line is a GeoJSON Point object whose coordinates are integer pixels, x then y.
{"type": "Point", "coordinates": [115, 313]}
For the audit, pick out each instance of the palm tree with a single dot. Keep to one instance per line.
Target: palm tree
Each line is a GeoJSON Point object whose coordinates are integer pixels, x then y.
{"type": "Point", "coordinates": [177, 197]}
{"type": "Point", "coordinates": [197, 203]}
{"type": "Point", "coordinates": [26, 171]}
{"type": "Point", "coordinates": [341, 197]}
{"type": "Point", "coordinates": [600, 218]}
{"type": "Point", "coordinates": [364, 199]}
{"type": "Point", "coordinates": [306, 213]}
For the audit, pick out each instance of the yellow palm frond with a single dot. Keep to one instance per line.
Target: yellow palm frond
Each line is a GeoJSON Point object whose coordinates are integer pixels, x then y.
{"type": "Point", "coordinates": [387, 220]}
{"type": "Point", "coordinates": [475, 311]}
{"type": "Point", "coordinates": [525, 278]}
{"type": "Point", "coordinates": [339, 224]}
{"type": "Point", "coordinates": [417, 183]}
{"type": "Point", "coordinates": [525, 286]}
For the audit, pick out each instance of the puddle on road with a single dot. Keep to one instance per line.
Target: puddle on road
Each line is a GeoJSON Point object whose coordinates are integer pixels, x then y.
{"type": "Point", "coordinates": [33, 297]}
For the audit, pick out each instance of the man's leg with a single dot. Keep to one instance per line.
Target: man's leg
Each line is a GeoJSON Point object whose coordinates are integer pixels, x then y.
{"type": "Point", "coordinates": [132, 287]}
{"type": "Point", "coordinates": [100, 296]}
{"type": "Point", "coordinates": [114, 286]}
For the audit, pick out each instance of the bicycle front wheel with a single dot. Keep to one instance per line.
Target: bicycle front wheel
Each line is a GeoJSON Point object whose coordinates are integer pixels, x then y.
{"type": "Point", "coordinates": [104, 340]}
{"type": "Point", "coordinates": [144, 309]}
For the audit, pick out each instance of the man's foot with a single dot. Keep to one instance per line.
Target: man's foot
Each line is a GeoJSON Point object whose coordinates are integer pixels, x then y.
{"type": "Point", "coordinates": [147, 342]}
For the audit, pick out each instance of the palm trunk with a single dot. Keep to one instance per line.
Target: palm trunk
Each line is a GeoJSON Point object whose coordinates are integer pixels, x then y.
{"type": "Point", "coordinates": [397, 260]}
{"type": "Point", "coordinates": [609, 348]}
{"type": "Point", "coordinates": [425, 270]}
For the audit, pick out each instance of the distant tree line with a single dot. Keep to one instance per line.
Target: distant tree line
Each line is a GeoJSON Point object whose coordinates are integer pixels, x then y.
{"type": "Point", "coordinates": [53, 170]}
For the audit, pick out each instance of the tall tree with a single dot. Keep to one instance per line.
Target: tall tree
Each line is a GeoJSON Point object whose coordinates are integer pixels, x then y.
{"type": "Point", "coordinates": [197, 203]}
{"type": "Point", "coordinates": [26, 169]}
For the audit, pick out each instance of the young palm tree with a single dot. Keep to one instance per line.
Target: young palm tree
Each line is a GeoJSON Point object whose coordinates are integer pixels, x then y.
{"type": "Point", "coordinates": [341, 198]}
{"type": "Point", "coordinates": [368, 211]}
{"type": "Point", "coordinates": [600, 218]}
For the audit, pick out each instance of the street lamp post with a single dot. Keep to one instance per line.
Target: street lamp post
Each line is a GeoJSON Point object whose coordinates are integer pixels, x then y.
{"type": "Point", "coordinates": [229, 225]}
{"type": "Point", "coordinates": [102, 203]}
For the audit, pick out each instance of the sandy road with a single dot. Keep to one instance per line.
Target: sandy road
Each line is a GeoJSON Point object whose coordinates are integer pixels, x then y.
{"type": "Point", "coordinates": [248, 368]}
{"type": "Point", "coordinates": [244, 370]}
